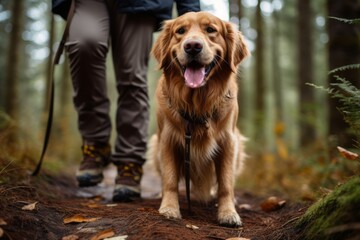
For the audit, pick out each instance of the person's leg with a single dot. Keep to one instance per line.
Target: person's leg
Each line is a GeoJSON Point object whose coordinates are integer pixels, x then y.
{"type": "Point", "coordinates": [131, 38]}
{"type": "Point", "coordinates": [87, 47]}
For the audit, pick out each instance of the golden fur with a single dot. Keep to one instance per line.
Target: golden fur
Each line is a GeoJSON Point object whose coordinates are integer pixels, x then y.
{"type": "Point", "coordinates": [217, 147]}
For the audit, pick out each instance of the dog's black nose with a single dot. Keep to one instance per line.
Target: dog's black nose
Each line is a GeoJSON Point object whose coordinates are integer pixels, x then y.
{"type": "Point", "coordinates": [193, 47]}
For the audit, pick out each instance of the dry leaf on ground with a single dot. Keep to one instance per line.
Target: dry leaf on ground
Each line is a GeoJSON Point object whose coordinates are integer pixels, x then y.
{"type": "Point", "coordinates": [70, 237]}
{"type": "Point", "coordinates": [272, 204]}
{"type": "Point", "coordinates": [245, 206]}
{"type": "Point", "coordinates": [347, 154]}
{"type": "Point", "coordinates": [111, 205]}
{"type": "Point", "coordinates": [123, 237]}
{"type": "Point", "coordinates": [91, 204]}
{"type": "Point", "coordinates": [104, 234]}
{"type": "Point", "coordinates": [78, 218]}
{"type": "Point", "coordinates": [192, 226]}
{"type": "Point", "coordinates": [2, 222]}
{"type": "Point", "coordinates": [29, 207]}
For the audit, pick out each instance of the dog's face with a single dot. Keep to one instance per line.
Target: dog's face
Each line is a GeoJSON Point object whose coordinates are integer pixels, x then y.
{"type": "Point", "coordinates": [195, 44]}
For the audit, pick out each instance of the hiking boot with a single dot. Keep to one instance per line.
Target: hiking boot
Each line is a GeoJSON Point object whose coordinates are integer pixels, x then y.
{"type": "Point", "coordinates": [95, 158]}
{"type": "Point", "coordinates": [127, 182]}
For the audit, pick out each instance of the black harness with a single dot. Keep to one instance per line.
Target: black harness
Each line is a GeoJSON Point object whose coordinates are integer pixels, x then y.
{"type": "Point", "coordinates": [190, 122]}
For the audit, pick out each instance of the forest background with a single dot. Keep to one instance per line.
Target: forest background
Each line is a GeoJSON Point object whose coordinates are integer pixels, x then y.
{"type": "Point", "coordinates": [292, 127]}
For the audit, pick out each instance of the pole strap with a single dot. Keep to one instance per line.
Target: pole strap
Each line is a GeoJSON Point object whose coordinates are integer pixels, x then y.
{"type": "Point", "coordinates": [56, 61]}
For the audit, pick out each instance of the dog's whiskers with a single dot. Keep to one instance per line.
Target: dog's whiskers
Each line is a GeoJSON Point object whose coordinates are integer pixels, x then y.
{"type": "Point", "coordinates": [171, 63]}
{"type": "Point", "coordinates": [216, 60]}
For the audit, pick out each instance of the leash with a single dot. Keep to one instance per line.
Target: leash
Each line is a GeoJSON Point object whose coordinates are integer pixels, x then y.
{"type": "Point", "coordinates": [56, 60]}
{"type": "Point", "coordinates": [190, 122]}
{"type": "Point", "coordinates": [187, 162]}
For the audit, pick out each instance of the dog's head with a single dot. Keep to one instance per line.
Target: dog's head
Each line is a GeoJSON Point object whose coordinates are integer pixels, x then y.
{"type": "Point", "coordinates": [199, 45]}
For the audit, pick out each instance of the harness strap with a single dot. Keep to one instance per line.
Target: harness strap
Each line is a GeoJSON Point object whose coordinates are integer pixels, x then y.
{"type": "Point", "coordinates": [56, 60]}
{"type": "Point", "coordinates": [199, 120]}
{"type": "Point", "coordinates": [187, 162]}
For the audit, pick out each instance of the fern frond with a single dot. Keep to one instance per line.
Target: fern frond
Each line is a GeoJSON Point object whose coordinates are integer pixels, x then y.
{"type": "Point", "coordinates": [348, 21]}
{"type": "Point", "coordinates": [322, 88]}
{"type": "Point", "coordinates": [349, 98]}
{"type": "Point", "coordinates": [344, 68]}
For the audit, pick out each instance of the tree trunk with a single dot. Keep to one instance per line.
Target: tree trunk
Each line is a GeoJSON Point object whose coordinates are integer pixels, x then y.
{"type": "Point", "coordinates": [240, 12]}
{"type": "Point", "coordinates": [305, 72]}
{"type": "Point", "coordinates": [259, 76]}
{"type": "Point", "coordinates": [12, 78]}
{"type": "Point", "coordinates": [278, 85]}
{"type": "Point", "coordinates": [344, 49]}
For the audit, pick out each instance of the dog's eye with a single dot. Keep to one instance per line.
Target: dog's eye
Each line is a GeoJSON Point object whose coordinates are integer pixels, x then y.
{"type": "Point", "coordinates": [180, 30]}
{"type": "Point", "coordinates": [210, 30]}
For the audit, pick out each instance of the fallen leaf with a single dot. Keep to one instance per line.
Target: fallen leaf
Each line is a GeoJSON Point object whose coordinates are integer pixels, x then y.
{"type": "Point", "coordinates": [192, 226]}
{"type": "Point", "coordinates": [282, 149]}
{"type": "Point", "coordinates": [2, 222]}
{"type": "Point", "coordinates": [347, 154]}
{"type": "Point", "coordinates": [93, 205]}
{"type": "Point", "coordinates": [29, 207]}
{"type": "Point", "coordinates": [104, 234]}
{"type": "Point", "coordinates": [245, 206]}
{"type": "Point", "coordinates": [123, 237]}
{"type": "Point", "coordinates": [279, 128]}
{"type": "Point", "coordinates": [272, 204]}
{"type": "Point", "coordinates": [78, 218]}
{"type": "Point", "coordinates": [70, 237]}
{"type": "Point", "coordinates": [1, 232]}
{"type": "Point", "coordinates": [98, 198]}
{"type": "Point", "coordinates": [111, 205]}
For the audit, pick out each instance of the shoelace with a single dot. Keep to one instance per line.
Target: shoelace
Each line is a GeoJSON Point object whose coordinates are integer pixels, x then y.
{"type": "Point", "coordinates": [92, 151]}
{"type": "Point", "coordinates": [130, 170]}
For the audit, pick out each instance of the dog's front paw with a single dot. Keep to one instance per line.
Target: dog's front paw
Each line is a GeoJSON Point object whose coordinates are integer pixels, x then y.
{"type": "Point", "coordinates": [170, 212]}
{"type": "Point", "coordinates": [229, 219]}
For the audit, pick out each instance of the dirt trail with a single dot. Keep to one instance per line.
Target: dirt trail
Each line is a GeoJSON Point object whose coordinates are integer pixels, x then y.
{"type": "Point", "coordinates": [59, 200]}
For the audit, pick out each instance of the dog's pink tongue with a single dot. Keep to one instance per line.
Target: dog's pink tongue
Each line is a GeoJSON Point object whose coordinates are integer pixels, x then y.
{"type": "Point", "coordinates": [194, 77]}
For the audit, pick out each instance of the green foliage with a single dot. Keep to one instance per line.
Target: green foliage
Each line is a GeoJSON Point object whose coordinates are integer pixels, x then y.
{"type": "Point", "coordinates": [333, 217]}
{"type": "Point", "coordinates": [347, 94]}
{"type": "Point", "coordinates": [344, 68]}
{"type": "Point", "coordinates": [348, 21]}
{"type": "Point", "coordinates": [336, 216]}
{"type": "Point", "coordinates": [4, 120]}
{"type": "Point", "coordinates": [349, 97]}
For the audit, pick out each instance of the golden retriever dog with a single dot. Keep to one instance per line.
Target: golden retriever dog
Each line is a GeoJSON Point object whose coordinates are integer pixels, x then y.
{"type": "Point", "coordinates": [199, 55]}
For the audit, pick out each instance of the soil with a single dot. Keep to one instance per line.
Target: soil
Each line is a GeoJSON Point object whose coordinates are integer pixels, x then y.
{"type": "Point", "coordinates": [58, 198]}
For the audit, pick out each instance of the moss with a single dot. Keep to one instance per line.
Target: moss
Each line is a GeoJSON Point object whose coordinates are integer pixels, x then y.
{"type": "Point", "coordinates": [334, 216]}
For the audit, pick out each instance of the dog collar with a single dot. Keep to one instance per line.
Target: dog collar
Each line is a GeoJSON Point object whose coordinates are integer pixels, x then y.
{"type": "Point", "coordinates": [193, 119]}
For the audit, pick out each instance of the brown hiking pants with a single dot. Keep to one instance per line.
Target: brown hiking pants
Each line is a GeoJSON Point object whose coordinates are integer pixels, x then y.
{"type": "Point", "coordinates": [96, 24]}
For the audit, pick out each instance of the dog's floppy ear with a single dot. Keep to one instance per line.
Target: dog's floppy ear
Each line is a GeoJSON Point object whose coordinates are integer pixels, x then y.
{"type": "Point", "coordinates": [236, 46]}
{"type": "Point", "coordinates": [160, 49]}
